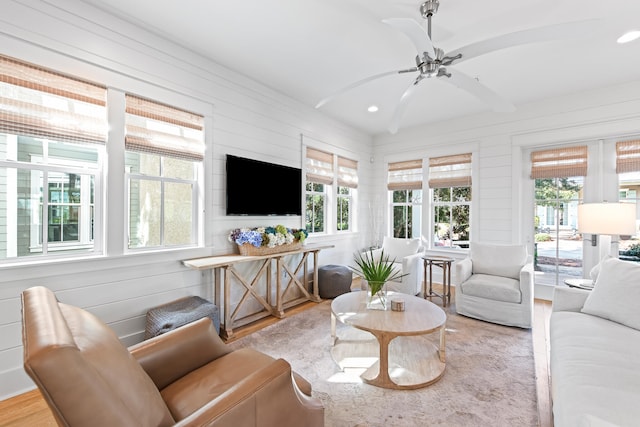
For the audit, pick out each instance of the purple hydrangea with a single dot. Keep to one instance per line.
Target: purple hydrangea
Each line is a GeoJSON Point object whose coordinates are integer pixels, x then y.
{"type": "Point", "coordinates": [253, 237]}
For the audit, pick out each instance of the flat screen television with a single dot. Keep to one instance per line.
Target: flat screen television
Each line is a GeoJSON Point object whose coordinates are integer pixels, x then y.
{"type": "Point", "coordinates": [261, 188]}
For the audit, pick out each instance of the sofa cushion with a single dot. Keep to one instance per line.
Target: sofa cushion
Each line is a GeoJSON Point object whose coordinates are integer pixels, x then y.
{"type": "Point", "coordinates": [399, 248]}
{"type": "Point", "coordinates": [196, 389]}
{"type": "Point", "coordinates": [595, 370]}
{"type": "Point", "coordinates": [491, 287]}
{"type": "Point", "coordinates": [616, 295]}
{"type": "Point", "coordinates": [498, 260]}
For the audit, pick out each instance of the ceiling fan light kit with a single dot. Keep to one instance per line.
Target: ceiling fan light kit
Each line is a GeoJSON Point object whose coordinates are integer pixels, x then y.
{"type": "Point", "coordinates": [431, 61]}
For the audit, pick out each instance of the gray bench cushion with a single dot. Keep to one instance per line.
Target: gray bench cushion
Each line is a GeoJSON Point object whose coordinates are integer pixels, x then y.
{"type": "Point", "coordinates": [177, 313]}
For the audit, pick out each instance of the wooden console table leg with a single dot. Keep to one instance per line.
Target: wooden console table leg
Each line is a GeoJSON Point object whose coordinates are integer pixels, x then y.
{"type": "Point", "coordinates": [227, 331]}
{"type": "Point", "coordinates": [269, 285]}
{"type": "Point", "coordinates": [279, 311]}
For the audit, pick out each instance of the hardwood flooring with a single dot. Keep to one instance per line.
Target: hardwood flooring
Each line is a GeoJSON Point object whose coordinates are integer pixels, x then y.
{"type": "Point", "coordinates": [29, 409]}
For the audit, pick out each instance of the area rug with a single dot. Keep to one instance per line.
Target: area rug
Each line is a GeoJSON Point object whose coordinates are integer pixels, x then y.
{"type": "Point", "coordinates": [489, 378]}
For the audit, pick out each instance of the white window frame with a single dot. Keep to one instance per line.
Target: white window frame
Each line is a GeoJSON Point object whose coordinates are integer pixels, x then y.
{"type": "Point", "coordinates": [331, 191]}
{"type": "Point", "coordinates": [129, 176]}
{"type": "Point", "coordinates": [416, 210]}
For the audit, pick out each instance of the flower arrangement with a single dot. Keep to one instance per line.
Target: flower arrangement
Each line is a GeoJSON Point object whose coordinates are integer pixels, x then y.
{"type": "Point", "coordinates": [267, 237]}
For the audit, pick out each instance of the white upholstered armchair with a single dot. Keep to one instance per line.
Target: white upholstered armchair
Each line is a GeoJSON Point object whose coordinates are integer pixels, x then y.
{"type": "Point", "coordinates": [408, 256]}
{"type": "Point", "coordinates": [495, 284]}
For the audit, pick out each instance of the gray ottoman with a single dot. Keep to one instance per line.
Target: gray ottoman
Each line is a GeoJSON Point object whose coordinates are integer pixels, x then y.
{"type": "Point", "coordinates": [177, 313]}
{"type": "Point", "coordinates": [334, 280]}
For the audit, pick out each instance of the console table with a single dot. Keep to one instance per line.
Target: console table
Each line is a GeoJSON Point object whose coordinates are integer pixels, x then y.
{"type": "Point", "coordinates": [224, 265]}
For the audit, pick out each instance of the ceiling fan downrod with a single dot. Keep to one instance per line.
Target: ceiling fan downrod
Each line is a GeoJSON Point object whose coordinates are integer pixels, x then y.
{"type": "Point", "coordinates": [427, 65]}
{"type": "Point", "coordinates": [427, 9]}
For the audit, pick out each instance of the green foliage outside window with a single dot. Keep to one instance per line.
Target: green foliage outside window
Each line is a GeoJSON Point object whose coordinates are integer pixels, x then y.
{"type": "Point", "coordinates": [406, 205]}
{"type": "Point", "coordinates": [314, 210]}
{"type": "Point", "coordinates": [451, 215]}
{"type": "Point", "coordinates": [343, 209]}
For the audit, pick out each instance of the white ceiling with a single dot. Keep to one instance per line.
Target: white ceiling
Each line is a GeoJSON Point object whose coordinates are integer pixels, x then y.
{"type": "Point", "coordinates": [309, 49]}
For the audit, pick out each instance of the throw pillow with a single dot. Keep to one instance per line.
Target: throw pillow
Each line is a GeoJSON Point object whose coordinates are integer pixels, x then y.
{"type": "Point", "coordinates": [593, 274]}
{"type": "Point", "coordinates": [616, 295]}
{"type": "Point", "coordinates": [498, 260]}
{"type": "Point", "coordinates": [399, 248]}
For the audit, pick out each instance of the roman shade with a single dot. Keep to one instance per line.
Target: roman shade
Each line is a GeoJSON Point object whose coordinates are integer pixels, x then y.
{"type": "Point", "coordinates": [628, 156]}
{"type": "Point", "coordinates": [319, 166]}
{"type": "Point", "coordinates": [41, 103]}
{"type": "Point", "coordinates": [405, 175]}
{"type": "Point", "coordinates": [450, 171]}
{"type": "Point", "coordinates": [347, 172]}
{"type": "Point", "coordinates": [160, 129]}
{"type": "Point", "coordinates": [559, 162]}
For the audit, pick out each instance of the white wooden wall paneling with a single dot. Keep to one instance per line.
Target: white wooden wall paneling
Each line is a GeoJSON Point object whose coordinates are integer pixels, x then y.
{"type": "Point", "coordinates": [249, 118]}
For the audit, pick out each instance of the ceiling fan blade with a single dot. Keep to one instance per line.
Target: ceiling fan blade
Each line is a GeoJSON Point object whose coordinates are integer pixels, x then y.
{"type": "Point", "coordinates": [402, 105]}
{"type": "Point", "coordinates": [541, 34]}
{"type": "Point", "coordinates": [480, 91]}
{"type": "Point", "coordinates": [361, 82]}
{"type": "Point", "coordinates": [418, 35]}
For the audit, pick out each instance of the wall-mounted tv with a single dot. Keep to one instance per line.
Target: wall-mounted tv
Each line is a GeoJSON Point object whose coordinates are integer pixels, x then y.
{"type": "Point", "coordinates": [261, 188]}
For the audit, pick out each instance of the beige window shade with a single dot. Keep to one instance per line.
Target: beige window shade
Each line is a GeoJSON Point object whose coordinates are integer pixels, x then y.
{"type": "Point", "coordinates": [450, 171]}
{"type": "Point", "coordinates": [347, 172]}
{"type": "Point", "coordinates": [41, 103]}
{"type": "Point", "coordinates": [559, 162]}
{"type": "Point", "coordinates": [164, 130]}
{"type": "Point", "coordinates": [405, 175]}
{"type": "Point", "coordinates": [319, 166]}
{"type": "Point", "coordinates": [628, 156]}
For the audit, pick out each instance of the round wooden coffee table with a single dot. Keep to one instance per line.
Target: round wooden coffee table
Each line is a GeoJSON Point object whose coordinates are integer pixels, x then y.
{"type": "Point", "coordinates": [412, 360]}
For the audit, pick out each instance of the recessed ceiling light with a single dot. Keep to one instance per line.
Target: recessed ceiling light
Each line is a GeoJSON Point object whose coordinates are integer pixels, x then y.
{"type": "Point", "coordinates": [629, 36]}
{"type": "Point", "coordinates": [372, 108]}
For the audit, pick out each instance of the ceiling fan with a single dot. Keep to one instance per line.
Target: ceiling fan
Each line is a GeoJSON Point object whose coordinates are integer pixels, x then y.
{"type": "Point", "coordinates": [431, 61]}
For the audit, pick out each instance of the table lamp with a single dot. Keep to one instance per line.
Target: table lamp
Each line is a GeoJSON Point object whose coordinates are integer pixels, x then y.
{"type": "Point", "coordinates": [606, 219]}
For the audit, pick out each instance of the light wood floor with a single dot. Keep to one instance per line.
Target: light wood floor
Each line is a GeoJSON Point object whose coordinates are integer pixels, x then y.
{"type": "Point", "coordinates": [29, 409]}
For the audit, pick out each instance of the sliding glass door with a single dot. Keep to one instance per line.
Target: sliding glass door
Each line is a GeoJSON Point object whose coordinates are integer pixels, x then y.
{"type": "Point", "coordinates": [558, 246]}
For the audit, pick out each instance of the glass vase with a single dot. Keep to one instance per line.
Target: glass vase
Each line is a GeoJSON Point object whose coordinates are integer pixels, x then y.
{"type": "Point", "coordinates": [377, 296]}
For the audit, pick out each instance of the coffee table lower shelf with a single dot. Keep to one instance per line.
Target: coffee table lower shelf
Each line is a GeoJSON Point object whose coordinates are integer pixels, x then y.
{"type": "Point", "coordinates": [413, 362]}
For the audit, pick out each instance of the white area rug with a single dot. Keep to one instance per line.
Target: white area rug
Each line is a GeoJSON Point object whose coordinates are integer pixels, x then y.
{"type": "Point", "coordinates": [489, 379]}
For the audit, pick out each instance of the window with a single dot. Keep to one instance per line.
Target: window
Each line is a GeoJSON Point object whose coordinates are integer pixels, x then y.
{"type": "Point", "coordinates": [450, 182]}
{"type": "Point", "coordinates": [559, 186]}
{"type": "Point", "coordinates": [404, 182]}
{"type": "Point", "coordinates": [347, 183]}
{"type": "Point", "coordinates": [52, 134]}
{"type": "Point", "coordinates": [628, 170]}
{"type": "Point", "coordinates": [164, 154]}
{"type": "Point", "coordinates": [319, 172]}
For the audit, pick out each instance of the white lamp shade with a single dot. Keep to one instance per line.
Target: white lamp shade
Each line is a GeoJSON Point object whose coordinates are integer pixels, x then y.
{"type": "Point", "coordinates": [607, 218]}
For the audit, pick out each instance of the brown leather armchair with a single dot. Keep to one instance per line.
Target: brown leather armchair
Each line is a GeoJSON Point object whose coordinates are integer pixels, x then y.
{"type": "Point", "coordinates": [186, 377]}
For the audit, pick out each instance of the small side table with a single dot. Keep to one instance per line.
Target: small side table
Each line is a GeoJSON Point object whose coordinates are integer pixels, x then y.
{"type": "Point", "coordinates": [445, 264]}
{"type": "Point", "coordinates": [579, 283]}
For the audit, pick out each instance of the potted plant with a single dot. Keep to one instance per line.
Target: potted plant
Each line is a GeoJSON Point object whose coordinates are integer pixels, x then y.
{"type": "Point", "coordinates": [376, 270]}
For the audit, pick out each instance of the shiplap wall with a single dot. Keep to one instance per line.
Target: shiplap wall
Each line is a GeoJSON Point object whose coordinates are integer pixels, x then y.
{"type": "Point", "coordinates": [503, 193]}
{"type": "Point", "coordinates": [243, 117]}
{"type": "Point", "coordinates": [252, 120]}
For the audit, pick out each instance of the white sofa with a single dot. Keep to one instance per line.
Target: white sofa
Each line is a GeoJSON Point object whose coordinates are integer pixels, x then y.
{"type": "Point", "coordinates": [495, 284]}
{"type": "Point", "coordinates": [407, 254]}
{"type": "Point", "coordinates": [595, 350]}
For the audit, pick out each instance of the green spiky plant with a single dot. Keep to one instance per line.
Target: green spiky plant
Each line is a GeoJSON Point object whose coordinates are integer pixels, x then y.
{"type": "Point", "coordinates": [376, 271]}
